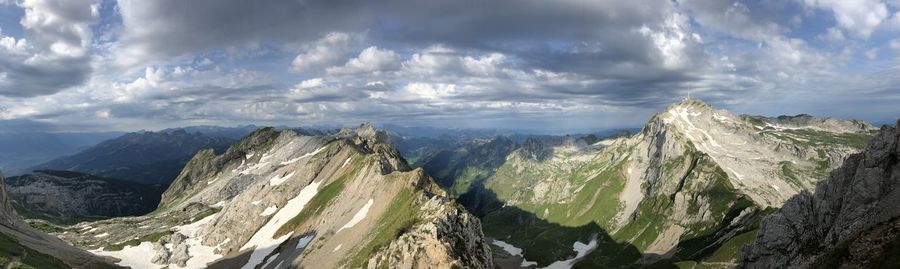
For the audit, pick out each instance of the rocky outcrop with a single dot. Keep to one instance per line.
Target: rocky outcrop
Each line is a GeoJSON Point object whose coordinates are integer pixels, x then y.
{"type": "Point", "coordinates": [850, 219]}
{"type": "Point", "coordinates": [452, 238]}
{"type": "Point", "coordinates": [29, 247]}
{"type": "Point", "coordinates": [534, 150]}
{"type": "Point", "coordinates": [69, 197]}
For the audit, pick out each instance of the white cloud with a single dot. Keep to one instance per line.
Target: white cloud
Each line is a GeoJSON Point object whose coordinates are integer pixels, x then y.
{"type": "Point", "coordinates": [671, 40]}
{"type": "Point", "coordinates": [310, 83]}
{"type": "Point", "coordinates": [54, 52]}
{"type": "Point", "coordinates": [371, 59]}
{"type": "Point", "coordinates": [833, 35]}
{"type": "Point", "coordinates": [860, 17]}
{"type": "Point", "coordinates": [324, 52]}
{"type": "Point", "coordinates": [430, 91]}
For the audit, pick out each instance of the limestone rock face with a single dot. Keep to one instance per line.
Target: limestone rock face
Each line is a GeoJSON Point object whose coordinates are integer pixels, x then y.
{"type": "Point", "coordinates": [282, 199]}
{"type": "Point", "coordinates": [68, 197]}
{"type": "Point", "coordinates": [855, 208]}
{"type": "Point", "coordinates": [452, 239]}
{"type": "Point", "coordinates": [28, 241]}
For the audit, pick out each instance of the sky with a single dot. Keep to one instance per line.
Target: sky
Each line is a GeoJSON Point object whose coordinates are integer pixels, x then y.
{"type": "Point", "coordinates": [548, 66]}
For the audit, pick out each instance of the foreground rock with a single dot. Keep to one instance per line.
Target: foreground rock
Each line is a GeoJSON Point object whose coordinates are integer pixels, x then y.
{"type": "Point", "coordinates": [852, 220]}
{"type": "Point", "coordinates": [285, 200]}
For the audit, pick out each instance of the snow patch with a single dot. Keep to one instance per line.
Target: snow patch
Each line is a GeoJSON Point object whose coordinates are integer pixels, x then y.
{"type": "Point", "coordinates": [581, 249]}
{"type": "Point", "coordinates": [200, 254]}
{"type": "Point", "coordinates": [775, 187]}
{"type": "Point", "coordinates": [304, 156]}
{"type": "Point", "coordinates": [220, 204]}
{"type": "Point", "coordinates": [338, 247]}
{"type": "Point", "coordinates": [360, 215]}
{"type": "Point", "coordinates": [135, 257]}
{"type": "Point", "coordinates": [270, 260]}
{"type": "Point", "coordinates": [139, 257]}
{"type": "Point", "coordinates": [102, 235]}
{"type": "Point", "coordinates": [277, 180]}
{"type": "Point", "coordinates": [721, 118]}
{"type": "Point", "coordinates": [304, 241]}
{"type": "Point", "coordinates": [262, 241]}
{"type": "Point", "coordinates": [509, 248]}
{"type": "Point", "coordinates": [269, 211]}
{"type": "Point", "coordinates": [255, 167]}
{"type": "Point", "coordinates": [347, 161]}
{"type": "Point", "coordinates": [513, 250]}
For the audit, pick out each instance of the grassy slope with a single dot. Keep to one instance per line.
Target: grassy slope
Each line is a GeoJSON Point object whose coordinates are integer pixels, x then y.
{"type": "Point", "coordinates": [22, 257]}
{"type": "Point", "coordinates": [590, 211]}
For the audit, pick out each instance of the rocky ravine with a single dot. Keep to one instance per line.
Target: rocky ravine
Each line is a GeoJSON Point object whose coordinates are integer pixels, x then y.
{"type": "Point", "coordinates": [22, 245]}
{"type": "Point", "coordinates": [852, 220]}
{"type": "Point", "coordinates": [687, 189]}
{"type": "Point", "coordinates": [285, 200]}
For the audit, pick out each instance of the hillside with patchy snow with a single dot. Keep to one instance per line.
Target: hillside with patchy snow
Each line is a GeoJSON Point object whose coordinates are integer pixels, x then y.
{"type": "Point", "coordinates": [285, 200]}
{"type": "Point", "coordinates": [690, 188]}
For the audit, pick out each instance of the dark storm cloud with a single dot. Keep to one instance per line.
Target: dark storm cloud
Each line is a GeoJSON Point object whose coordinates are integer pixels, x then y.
{"type": "Point", "coordinates": [25, 80]}
{"type": "Point", "coordinates": [592, 38]}
{"type": "Point", "coordinates": [169, 28]}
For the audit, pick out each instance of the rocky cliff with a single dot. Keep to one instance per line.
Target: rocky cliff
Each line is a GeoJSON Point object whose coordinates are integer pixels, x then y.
{"type": "Point", "coordinates": [24, 247]}
{"type": "Point", "coordinates": [851, 220]}
{"type": "Point", "coordinates": [69, 197]}
{"type": "Point", "coordinates": [286, 200]}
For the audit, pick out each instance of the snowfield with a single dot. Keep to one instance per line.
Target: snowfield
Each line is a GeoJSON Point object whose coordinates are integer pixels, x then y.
{"type": "Point", "coordinates": [360, 215]}
{"type": "Point", "coordinates": [262, 241]}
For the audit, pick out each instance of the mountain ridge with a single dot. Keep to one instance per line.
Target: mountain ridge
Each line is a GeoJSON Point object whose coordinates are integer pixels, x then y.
{"type": "Point", "coordinates": [694, 181]}
{"type": "Point", "coordinates": [849, 221]}
{"type": "Point", "coordinates": [280, 199]}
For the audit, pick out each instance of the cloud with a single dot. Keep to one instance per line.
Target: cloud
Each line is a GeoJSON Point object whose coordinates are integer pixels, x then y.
{"type": "Point", "coordinates": [860, 17]}
{"type": "Point", "coordinates": [325, 52]}
{"type": "Point", "coordinates": [371, 59]}
{"type": "Point", "coordinates": [497, 63]}
{"type": "Point", "coordinates": [833, 35]}
{"type": "Point", "coordinates": [155, 30]}
{"type": "Point", "coordinates": [54, 54]}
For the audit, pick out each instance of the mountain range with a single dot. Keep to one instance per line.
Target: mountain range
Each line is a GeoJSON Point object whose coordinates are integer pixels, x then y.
{"type": "Point", "coordinates": [143, 157]}
{"type": "Point", "coordinates": [281, 199]}
{"type": "Point", "coordinates": [20, 151]}
{"type": "Point", "coordinates": [696, 187]}
{"type": "Point", "coordinates": [690, 186]}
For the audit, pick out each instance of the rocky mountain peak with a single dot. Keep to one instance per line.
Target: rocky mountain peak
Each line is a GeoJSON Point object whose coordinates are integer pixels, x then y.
{"type": "Point", "coordinates": [850, 221]}
{"type": "Point", "coordinates": [690, 103]}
